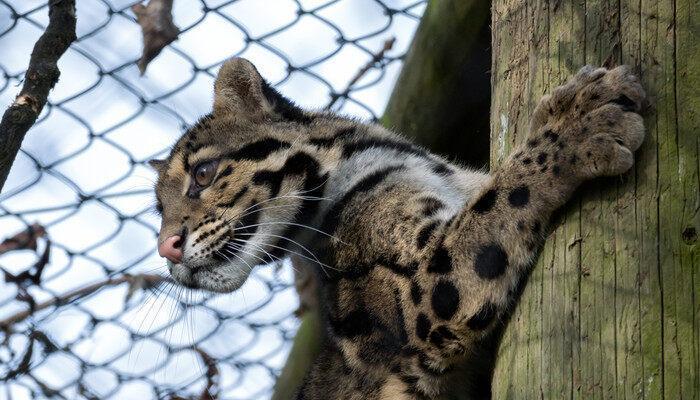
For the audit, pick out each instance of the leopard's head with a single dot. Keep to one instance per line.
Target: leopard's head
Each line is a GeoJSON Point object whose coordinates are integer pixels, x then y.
{"type": "Point", "coordinates": [233, 185]}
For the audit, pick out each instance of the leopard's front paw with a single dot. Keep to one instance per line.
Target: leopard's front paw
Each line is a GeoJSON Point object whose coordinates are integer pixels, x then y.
{"type": "Point", "coordinates": [597, 114]}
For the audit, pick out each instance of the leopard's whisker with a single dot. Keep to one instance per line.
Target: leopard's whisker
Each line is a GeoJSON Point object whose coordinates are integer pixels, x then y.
{"type": "Point", "coordinates": [277, 247]}
{"type": "Point", "coordinates": [240, 249]}
{"type": "Point", "coordinates": [293, 224]}
{"type": "Point", "coordinates": [219, 251]}
{"type": "Point", "coordinates": [296, 243]}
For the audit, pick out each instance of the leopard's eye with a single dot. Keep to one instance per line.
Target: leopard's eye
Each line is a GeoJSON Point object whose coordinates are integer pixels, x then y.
{"type": "Point", "coordinates": [204, 173]}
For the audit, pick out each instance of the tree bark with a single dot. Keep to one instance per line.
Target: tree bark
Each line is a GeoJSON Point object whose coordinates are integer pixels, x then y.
{"type": "Point", "coordinates": [611, 310]}
{"type": "Point", "coordinates": [42, 74]}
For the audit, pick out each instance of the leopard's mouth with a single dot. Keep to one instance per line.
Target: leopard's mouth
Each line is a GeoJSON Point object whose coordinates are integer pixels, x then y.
{"type": "Point", "coordinates": [219, 277]}
{"type": "Point", "coordinates": [225, 264]}
{"type": "Point", "coordinates": [224, 271]}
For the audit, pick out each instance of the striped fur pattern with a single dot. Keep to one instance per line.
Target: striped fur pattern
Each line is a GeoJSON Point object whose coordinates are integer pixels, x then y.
{"type": "Point", "coordinates": [419, 258]}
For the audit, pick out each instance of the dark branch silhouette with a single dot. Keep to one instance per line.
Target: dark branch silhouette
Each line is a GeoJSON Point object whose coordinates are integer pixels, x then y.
{"type": "Point", "coordinates": [42, 74]}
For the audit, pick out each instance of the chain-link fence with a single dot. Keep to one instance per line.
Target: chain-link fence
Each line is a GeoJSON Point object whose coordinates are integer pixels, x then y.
{"type": "Point", "coordinates": [86, 309]}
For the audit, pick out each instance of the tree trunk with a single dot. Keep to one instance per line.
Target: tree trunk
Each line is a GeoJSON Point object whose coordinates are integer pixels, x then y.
{"type": "Point", "coordinates": [612, 309]}
{"type": "Point", "coordinates": [442, 97]}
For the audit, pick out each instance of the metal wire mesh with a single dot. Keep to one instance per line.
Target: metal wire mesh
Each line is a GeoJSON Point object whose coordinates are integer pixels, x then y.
{"type": "Point", "coordinates": [84, 313]}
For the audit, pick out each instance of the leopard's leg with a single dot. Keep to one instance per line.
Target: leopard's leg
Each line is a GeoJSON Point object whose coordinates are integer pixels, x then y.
{"type": "Point", "coordinates": [471, 271]}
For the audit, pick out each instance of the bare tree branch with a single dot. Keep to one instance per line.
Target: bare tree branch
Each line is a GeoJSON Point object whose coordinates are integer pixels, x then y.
{"type": "Point", "coordinates": [377, 57]}
{"type": "Point", "coordinates": [150, 279]}
{"type": "Point", "coordinates": [42, 74]}
{"type": "Point", "coordinates": [211, 390]}
{"type": "Point", "coordinates": [156, 20]}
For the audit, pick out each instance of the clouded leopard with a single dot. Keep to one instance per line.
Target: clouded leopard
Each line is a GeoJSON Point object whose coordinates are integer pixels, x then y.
{"type": "Point", "coordinates": [419, 258]}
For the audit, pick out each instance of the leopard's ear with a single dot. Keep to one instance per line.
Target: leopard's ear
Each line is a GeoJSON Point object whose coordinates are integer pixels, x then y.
{"type": "Point", "coordinates": [240, 91]}
{"type": "Point", "coordinates": [158, 165]}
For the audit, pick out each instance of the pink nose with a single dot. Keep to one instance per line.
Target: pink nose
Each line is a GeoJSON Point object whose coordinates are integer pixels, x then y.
{"type": "Point", "coordinates": [171, 248]}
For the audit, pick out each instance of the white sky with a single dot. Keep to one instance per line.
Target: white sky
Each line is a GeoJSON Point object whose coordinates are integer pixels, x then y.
{"type": "Point", "coordinates": [93, 142]}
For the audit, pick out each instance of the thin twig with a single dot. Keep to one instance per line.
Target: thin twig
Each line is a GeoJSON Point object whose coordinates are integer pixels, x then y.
{"type": "Point", "coordinates": [377, 57]}
{"type": "Point", "coordinates": [211, 390]}
{"type": "Point", "coordinates": [25, 240]}
{"type": "Point", "coordinates": [151, 279]}
{"type": "Point", "coordinates": [42, 74]}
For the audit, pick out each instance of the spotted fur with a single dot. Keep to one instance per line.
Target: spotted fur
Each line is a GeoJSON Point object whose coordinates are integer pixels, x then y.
{"type": "Point", "coordinates": [418, 258]}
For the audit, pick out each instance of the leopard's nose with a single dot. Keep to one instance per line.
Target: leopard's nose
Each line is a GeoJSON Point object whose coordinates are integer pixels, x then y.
{"type": "Point", "coordinates": [171, 248]}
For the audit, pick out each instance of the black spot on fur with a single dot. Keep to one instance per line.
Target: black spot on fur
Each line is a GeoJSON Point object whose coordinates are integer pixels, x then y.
{"type": "Point", "coordinates": [541, 158]}
{"type": "Point", "coordinates": [527, 160]}
{"type": "Point", "coordinates": [425, 233]}
{"type": "Point", "coordinates": [409, 379]}
{"type": "Point", "coordinates": [393, 265]}
{"type": "Point", "coordinates": [485, 202]}
{"type": "Point", "coordinates": [416, 293]}
{"type": "Point", "coordinates": [573, 160]}
{"type": "Point", "coordinates": [386, 144]}
{"type": "Point", "coordinates": [259, 150]}
{"type": "Point", "coordinates": [226, 172]}
{"type": "Point", "coordinates": [355, 323]}
{"type": "Point", "coordinates": [314, 186]}
{"type": "Point", "coordinates": [431, 205]}
{"type": "Point", "coordinates": [297, 164]}
{"type": "Point", "coordinates": [270, 178]}
{"type": "Point", "coordinates": [329, 141]}
{"type": "Point", "coordinates": [521, 226]}
{"type": "Point", "coordinates": [551, 135]}
{"type": "Point", "coordinates": [536, 227]}
{"type": "Point", "coordinates": [422, 326]}
{"type": "Point", "coordinates": [441, 262]}
{"type": "Point", "coordinates": [482, 318]}
{"type": "Point", "coordinates": [519, 197]}
{"type": "Point", "coordinates": [436, 338]}
{"type": "Point", "coordinates": [440, 334]}
{"type": "Point", "coordinates": [445, 299]}
{"type": "Point", "coordinates": [625, 102]}
{"type": "Point", "coordinates": [490, 261]}
{"type": "Point", "coordinates": [446, 332]}
{"type": "Point", "coordinates": [533, 142]}
{"type": "Point", "coordinates": [230, 203]}
{"type": "Point", "coordinates": [401, 336]}
{"type": "Point", "coordinates": [556, 170]}
{"type": "Point", "coordinates": [322, 142]}
{"type": "Point", "coordinates": [441, 169]}
{"type": "Point", "coordinates": [365, 184]}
